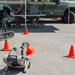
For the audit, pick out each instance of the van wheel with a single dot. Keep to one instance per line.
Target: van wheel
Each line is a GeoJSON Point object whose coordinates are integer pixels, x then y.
{"type": "Point", "coordinates": [70, 18]}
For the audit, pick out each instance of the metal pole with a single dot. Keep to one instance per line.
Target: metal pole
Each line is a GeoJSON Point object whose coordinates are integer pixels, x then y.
{"type": "Point", "coordinates": [25, 15]}
{"type": "Point", "coordinates": [21, 4]}
{"type": "Point", "coordinates": [68, 11]}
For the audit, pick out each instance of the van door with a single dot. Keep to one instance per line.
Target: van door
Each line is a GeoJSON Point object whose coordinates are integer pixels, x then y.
{"type": "Point", "coordinates": [52, 8]}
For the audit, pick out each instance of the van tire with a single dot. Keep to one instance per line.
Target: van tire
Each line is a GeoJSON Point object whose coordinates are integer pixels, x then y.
{"type": "Point", "coordinates": [71, 17]}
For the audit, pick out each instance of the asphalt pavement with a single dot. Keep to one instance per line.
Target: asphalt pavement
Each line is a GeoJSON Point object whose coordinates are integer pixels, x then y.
{"type": "Point", "coordinates": [51, 41]}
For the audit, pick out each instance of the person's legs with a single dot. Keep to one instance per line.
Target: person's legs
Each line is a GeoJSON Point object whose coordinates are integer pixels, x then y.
{"type": "Point", "coordinates": [36, 22]}
{"type": "Point", "coordinates": [17, 21]}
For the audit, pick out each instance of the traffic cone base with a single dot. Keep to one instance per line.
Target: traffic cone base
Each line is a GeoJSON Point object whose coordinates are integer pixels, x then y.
{"type": "Point", "coordinates": [6, 46]}
{"type": "Point", "coordinates": [25, 31]}
{"type": "Point", "coordinates": [71, 52]}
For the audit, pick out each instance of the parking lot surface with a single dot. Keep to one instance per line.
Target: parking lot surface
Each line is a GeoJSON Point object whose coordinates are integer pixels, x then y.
{"type": "Point", "coordinates": [52, 42]}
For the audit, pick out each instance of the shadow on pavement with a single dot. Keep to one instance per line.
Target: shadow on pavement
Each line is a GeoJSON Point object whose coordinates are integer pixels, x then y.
{"type": "Point", "coordinates": [31, 29]}
{"type": "Point", "coordinates": [12, 71]}
{"type": "Point", "coordinates": [41, 29]}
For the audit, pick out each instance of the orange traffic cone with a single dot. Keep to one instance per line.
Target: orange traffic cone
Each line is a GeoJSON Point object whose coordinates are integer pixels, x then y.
{"type": "Point", "coordinates": [30, 50]}
{"type": "Point", "coordinates": [71, 52]}
{"type": "Point", "coordinates": [25, 31]}
{"type": "Point", "coordinates": [6, 46]}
